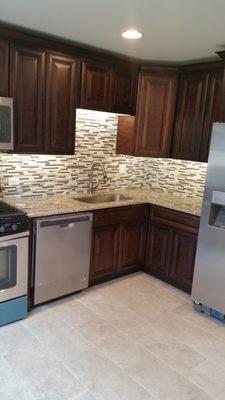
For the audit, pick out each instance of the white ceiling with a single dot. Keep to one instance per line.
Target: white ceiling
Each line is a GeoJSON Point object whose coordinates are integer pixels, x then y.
{"type": "Point", "coordinates": [174, 30]}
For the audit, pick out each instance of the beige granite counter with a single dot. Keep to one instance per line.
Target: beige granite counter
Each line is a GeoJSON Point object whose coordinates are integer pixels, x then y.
{"type": "Point", "coordinates": [40, 206]}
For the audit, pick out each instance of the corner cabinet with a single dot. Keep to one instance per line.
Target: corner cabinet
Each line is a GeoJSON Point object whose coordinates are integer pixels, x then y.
{"type": "Point", "coordinates": [124, 91]}
{"type": "Point", "coordinates": [150, 133]}
{"type": "Point", "coordinates": [27, 87]}
{"type": "Point", "coordinates": [199, 96]}
{"type": "Point", "coordinates": [108, 88]}
{"type": "Point", "coordinates": [95, 86]}
{"type": "Point", "coordinates": [155, 112]}
{"type": "Point", "coordinates": [61, 100]}
{"type": "Point", "coordinates": [190, 115]}
{"type": "Point", "coordinates": [171, 246]}
{"type": "Point", "coordinates": [118, 242]}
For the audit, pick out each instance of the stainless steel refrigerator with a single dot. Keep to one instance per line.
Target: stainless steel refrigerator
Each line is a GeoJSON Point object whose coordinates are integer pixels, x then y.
{"type": "Point", "coordinates": [208, 291]}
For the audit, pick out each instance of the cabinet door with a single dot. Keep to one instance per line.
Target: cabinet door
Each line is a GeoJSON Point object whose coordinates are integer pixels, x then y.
{"type": "Point", "coordinates": [190, 115]}
{"type": "Point", "coordinates": [158, 249]}
{"type": "Point", "coordinates": [61, 95]}
{"type": "Point", "coordinates": [95, 86]}
{"type": "Point", "coordinates": [105, 248]}
{"type": "Point", "coordinates": [125, 143]}
{"type": "Point", "coordinates": [4, 68]}
{"type": "Point", "coordinates": [212, 109]}
{"type": "Point", "coordinates": [124, 88]}
{"type": "Point", "coordinates": [155, 113]}
{"type": "Point", "coordinates": [27, 85]}
{"type": "Point", "coordinates": [183, 259]}
{"type": "Point", "coordinates": [132, 244]}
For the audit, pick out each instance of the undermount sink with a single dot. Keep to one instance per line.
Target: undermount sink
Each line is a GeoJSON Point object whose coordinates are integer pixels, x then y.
{"type": "Point", "coordinates": [103, 198]}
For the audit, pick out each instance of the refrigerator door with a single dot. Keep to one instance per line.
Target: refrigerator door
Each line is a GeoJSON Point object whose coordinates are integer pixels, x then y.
{"type": "Point", "coordinates": [209, 275]}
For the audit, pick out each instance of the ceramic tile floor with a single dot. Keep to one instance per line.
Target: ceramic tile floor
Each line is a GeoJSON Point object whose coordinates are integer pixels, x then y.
{"type": "Point", "coordinates": [134, 338]}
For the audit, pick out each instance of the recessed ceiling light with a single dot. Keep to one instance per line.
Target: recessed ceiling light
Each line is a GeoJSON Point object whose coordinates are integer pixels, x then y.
{"type": "Point", "coordinates": [132, 34]}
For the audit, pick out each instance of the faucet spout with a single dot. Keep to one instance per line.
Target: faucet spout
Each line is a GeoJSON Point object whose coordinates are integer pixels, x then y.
{"type": "Point", "coordinates": [93, 186]}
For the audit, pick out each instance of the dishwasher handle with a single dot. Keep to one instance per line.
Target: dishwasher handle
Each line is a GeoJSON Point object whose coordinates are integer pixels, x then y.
{"type": "Point", "coordinates": [64, 222]}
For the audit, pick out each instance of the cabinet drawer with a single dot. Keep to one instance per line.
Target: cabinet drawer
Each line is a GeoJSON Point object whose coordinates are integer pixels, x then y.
{"type": "Point", "coordinates": [175, 218]}
{"type": "Point", "coordinates": [119, 215]}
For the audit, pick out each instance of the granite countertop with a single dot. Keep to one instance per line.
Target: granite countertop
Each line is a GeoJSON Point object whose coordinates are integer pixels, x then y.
{"type": "Point", "coordinates": [40, 206]}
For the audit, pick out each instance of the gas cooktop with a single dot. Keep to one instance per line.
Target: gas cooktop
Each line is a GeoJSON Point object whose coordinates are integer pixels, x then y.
{"type": "Point", "coordinates": [11, 219]}
{"type": "Point", "coordinates": [6, 209]}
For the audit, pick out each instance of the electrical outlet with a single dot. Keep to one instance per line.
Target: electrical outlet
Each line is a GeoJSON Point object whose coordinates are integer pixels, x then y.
{"type": "Point", "coordinates": [122, 168]}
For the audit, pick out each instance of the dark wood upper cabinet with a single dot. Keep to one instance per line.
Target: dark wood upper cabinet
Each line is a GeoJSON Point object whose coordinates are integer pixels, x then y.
{"type": "Point", "coordinates": [190, 115]}
{"type": "Point", "coordinates": [61, 96]}
{"type": "Point", "coordinates": [124, 91]}
{"type": "Point", "coordinates": [198, 106]}
{"type": "Point", "coordinates": [126, 137]}
{"type": "Point", "coordinates": [155, 112]}
{"type": "Point", "coordinates": [95, 86]}
{"type": "Point", "coordinates": [27, 86]}
{"type": "Point", "coordinates": [4, 68]}
{"type": "Point", "coordinates": [212, 109]}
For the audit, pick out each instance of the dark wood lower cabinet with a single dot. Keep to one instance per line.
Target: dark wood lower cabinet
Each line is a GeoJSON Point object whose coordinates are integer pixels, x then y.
{"type": "Point", "coordinates": [183, 259]}
{"type": "Point", "coordinates": [133, 242]}
{"type": "Point", "coordinates": [104, 253]}
{"type": "Point", "coordinates": [118, 242]}
{"type": "Point", "coordinates": [171, 246]}
{"type": "Point", "coordinates": [166, 249]}
{"type": "Point", "coordinates": [158, 249]}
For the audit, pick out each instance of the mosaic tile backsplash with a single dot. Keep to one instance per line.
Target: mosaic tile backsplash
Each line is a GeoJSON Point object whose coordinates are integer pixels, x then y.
{"type": "Point", "coordinates": [25, 175]}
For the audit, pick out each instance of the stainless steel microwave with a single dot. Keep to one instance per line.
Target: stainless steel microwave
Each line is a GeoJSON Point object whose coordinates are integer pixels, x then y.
{"type": "Point", "coordinates": [6, 124]}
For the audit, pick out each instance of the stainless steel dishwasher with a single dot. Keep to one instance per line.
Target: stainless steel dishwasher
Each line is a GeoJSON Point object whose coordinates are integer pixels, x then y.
{"type": "Point", "coordinates": [61, 255]}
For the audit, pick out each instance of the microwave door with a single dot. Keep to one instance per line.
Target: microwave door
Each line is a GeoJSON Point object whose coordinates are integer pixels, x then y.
{"type": "Point", "coordinates": [13, 267]}
{"type": "Point", "coordinates": [6, 124]}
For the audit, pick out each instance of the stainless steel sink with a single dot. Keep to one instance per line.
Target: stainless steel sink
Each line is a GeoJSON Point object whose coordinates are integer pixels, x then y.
{"type": "Point", "coordinates": [103, 198]}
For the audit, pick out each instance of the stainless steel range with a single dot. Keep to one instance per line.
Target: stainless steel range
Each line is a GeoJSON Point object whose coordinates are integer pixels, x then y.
{"type": "Point", "coordinates": [13, 264]}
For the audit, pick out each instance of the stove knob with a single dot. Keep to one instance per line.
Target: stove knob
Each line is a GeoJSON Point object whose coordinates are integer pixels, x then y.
{"type": "Point", "coordinates": [2, 229]}
{"type": "Point", "coordinates": [13, 227]}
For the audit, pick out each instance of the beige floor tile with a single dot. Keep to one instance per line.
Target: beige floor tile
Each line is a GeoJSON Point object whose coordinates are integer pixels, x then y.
{"type": "Point", "coordinates": [46, 378]}
{"type": "Point", "coordinates": [13, 336]}
{"type": "Point", "coordinates": [120, 349]}
{"type": "Point", "coordinates": [177, 355]}
{"type": "Point", "coordinates": [79, 347]}
{"type": "Point", "coordinates": [204, 322]}
{"type": "Point", "coordinates": [122, 319]}
{"type": "Point", "coordinates": [91, 366]}
{"type": "Point", "coordinates": [10, 386]}
{"type": "Point", "coordinates": [62, 340]}
{"type": "Point", "coordinates": [163, 381]}
{"type": "Point", "coordinates": [84, 396]}
{"type": "Point", "coordinates": [161, 294]}
{"type": "Point", "coordinates": [96, 330]}
{"type": "Point", "coordinates": [208, 345]}
{"type": "Point", "coordinates": [211, 378]}
{"type": "Point", "coordinates": [73, 312]}
{"type": "Point", "coordinates": [119, 387]}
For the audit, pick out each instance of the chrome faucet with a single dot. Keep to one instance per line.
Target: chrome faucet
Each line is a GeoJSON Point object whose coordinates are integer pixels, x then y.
{"type": "Point", "coordinates": [93, 187]}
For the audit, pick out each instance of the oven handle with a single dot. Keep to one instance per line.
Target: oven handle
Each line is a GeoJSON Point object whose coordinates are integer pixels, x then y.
{"type": "Point", "coordinates": [14, 236]}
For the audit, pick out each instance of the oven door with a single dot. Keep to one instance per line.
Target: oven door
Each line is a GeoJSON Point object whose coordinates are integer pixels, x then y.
{"type": "Point", "coordinates": [13, 266]}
